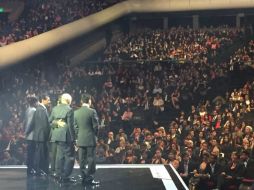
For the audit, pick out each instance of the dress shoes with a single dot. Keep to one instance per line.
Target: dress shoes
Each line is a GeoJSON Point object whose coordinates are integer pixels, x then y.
{"type": "Point", "coordinates": [91, 183]}
{"type": "Point", "coordinates": [31, 172]}
{"type": "Point", "coordinates": [53, 175]}
{"type": "Point", "coordinates": [80, 177]}
{"type": "Point", "coordinates": [67, 180]}
{"type": "Point", "coordinates": [41, 173]}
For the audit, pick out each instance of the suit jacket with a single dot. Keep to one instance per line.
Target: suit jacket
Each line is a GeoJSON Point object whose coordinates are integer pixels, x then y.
{"type": "Point", "coordinates": [28, 123]}
{"type": "Point", "coordinates": [112, 144]}
{"type": "Point", "coordinates": [41, 124]}
{"type": "Point", "coordinates": [249, 170]}
{"type": "Point", "coordinates": [86, 126]}
{"type": "Point", "coordinates": [191, 166]}
{"type": "Point", "coordinates": [65, 133]}
{"type": "Point", "coordinates": [216, 172]}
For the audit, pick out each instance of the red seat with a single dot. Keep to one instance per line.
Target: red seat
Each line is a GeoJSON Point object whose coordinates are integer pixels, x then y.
{"type": "Point", "coordinates": [245, 180]}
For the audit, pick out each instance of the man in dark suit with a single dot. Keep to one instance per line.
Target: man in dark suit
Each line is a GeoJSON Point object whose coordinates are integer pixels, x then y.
{"type": "Point", "coordinates": [53, 145]}
{"type": "Point", "coordinates": [62, 121]}
{"type": "Point", "coordinates": [215, 170]}
{"type": "Point", "coordinates": [110, 141]}
{"type": "Point", "coordinates": [248, 173]}
{"type": "Point", "coordinates": [32, 102]}
{"type": "Point", "coordinates": [186, 167]}
{"type": "Point", "coordinates": [86, 126]}
{"type": "Point", "coordinates": [41, 136]}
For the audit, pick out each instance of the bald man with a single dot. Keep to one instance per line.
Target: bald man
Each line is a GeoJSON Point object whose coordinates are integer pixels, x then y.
{"type": "Point", "coordinates": [62, 120]}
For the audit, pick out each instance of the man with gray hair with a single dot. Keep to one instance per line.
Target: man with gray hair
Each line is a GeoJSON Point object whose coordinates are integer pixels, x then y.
{"type": "Point", "coordinates": [62, 122]}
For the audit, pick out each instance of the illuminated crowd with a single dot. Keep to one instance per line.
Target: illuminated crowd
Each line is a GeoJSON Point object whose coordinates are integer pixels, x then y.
{"type": "Point", "coordinates": [161, 108]}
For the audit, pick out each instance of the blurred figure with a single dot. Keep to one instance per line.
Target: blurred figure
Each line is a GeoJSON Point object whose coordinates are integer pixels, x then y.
{"type": "Point", "coordinates": [86, 125]}
{"type": "Point", "coordinates": [41, 136]}
{"type": "Point", "coordinates": [62, 119]}
{"type": "Point", "coordinates": [29, 132]}
{"type": "Point", "coordinates": [8, 160]}
{"type": "Point", "coordinates": [248, 174]}
{"type": "Point", "coordinates": [175, 163]}
{"type": "Point", "coordinates": [127, 121]}
{"type": "Point", "coordinates": [157, 158]}
{"type": "Point", "coordinates": [231, 174]}
{"type": "Point", "coordinates": [53, 145]}
{"type": "Point", "coordinates": [186, 167]}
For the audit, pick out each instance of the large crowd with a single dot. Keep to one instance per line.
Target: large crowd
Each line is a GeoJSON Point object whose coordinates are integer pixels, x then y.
{"type": "Point", "coordinates": [41, 16]}
{"type": "Point", "coordinates": [130, 99]}
{"type": "Point", "coordinates": [177, 44]}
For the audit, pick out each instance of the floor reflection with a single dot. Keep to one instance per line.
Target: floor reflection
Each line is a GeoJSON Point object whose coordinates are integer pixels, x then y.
{"type": "Point", "coordinates": [47, 183]}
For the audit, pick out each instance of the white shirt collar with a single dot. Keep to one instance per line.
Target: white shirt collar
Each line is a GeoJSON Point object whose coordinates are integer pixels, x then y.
{"type": "Point", "coordinates": [85, 104]}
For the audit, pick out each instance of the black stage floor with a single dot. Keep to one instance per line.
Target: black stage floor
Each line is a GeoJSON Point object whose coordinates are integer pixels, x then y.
{"type": "Point", "coordinates": [111, 177]}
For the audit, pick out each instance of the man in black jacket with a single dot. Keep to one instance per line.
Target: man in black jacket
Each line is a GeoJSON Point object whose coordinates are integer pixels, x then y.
{"type": "Point", "coordinates": [86, 126]}
{"type": "Point", "coordinates": [186, 167]}
{"type": "Point", "coordinates": [32, 102]}
{"type": "Point", "coordinates": [248, 173]}
{"type": "Point", "coordinates": [62, 121]}
{"type": "Point", "coordinates": [41, 136]}
{"type": "Point", "coordinates": [215, 169]}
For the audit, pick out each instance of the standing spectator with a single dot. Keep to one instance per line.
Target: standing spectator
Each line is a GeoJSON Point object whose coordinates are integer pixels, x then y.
{"type": "Point", "coordinates": [127, 121]}
{"type": "Point", "coordinates": [158, 104]}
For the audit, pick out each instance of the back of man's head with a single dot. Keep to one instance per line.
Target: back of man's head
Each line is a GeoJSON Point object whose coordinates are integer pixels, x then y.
{"type": "Point", "coordinates": [85, 98]}
{"type": "Point", "coordinates": [32, 100]}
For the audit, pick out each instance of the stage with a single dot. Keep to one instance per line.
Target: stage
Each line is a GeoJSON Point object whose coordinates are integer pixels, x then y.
{"type": "Point", "coordinates": [119, 177]}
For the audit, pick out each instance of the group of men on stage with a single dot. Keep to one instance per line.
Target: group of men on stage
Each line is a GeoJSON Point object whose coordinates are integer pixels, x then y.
{"type": "Point", "coordinates": [64, 129]}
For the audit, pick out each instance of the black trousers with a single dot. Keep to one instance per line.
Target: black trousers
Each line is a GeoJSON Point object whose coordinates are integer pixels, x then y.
{"type": "Point", "coordinates": [87, 157]}
{"type": "Point", "coordinates": [41, 159]}
{"type": "Point", "coordinates": [64, 159]}
{"type": "Point", "coordinates": [53, 148]}
{"type": "Point", "coordinates": [30, 155]}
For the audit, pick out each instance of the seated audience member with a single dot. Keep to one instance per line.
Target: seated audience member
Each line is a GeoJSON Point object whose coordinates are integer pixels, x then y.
{"type": "Point", "coordinates": [8, 159]}
{"type": "Point", "coordinates": [157, 158]}
{"type": "Point", "coordinates": [110, 141]}
{"type": "Point", "coordinates": [230, 176]}
{"type": "Point", "coordinates": [130, 158]}
{"type": "Point", "coordinates": [175, 164]}
{"type": "Point", "coordinates": [186, 167]}
{"type": "Point", "coordinates": [215, 170]}
{"type": "Point", "coordinates": [171, 157]}
{"type": "Point", "coordinates": [201, 174]}
{"type": "Point", "coordinates": [248, 174]}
